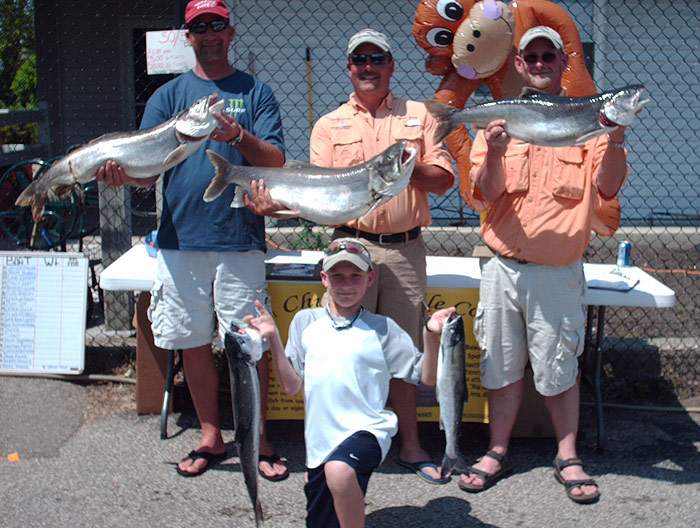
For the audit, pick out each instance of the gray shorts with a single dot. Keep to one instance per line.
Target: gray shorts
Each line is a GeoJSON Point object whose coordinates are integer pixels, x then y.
{"type": "Point", "coordinates": [530, 312]}
{"type": "Point", "coordinates": [195, 289]}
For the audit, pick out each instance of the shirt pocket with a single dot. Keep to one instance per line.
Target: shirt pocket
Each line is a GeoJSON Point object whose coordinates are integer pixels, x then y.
{"type": "Point", "coordinates": [347, 147]}
{"type": "Point", "coordinates": [568, 176]}
{"type": "Point", "coordinates": [413, 135]}
{"type": "Point", "coordinates": [517, 171]}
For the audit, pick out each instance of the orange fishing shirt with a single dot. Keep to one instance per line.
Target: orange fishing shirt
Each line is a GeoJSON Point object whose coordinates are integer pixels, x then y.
{"type": "Point", "coordinates": [545, 212]}
{"type": "Point", "coordinates": [350, 136]}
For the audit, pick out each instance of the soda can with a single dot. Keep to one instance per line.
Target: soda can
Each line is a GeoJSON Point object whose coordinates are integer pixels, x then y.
{"type": "Point", "coordinates": [623, 253]}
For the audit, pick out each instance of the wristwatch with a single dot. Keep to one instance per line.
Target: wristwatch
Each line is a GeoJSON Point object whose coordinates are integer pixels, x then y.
{"type": "Point", "coordinates": [613, 144]}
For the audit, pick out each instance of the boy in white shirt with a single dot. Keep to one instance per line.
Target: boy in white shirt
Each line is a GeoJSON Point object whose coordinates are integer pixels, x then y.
{"type": "Point", "coordinates": [345, 356]}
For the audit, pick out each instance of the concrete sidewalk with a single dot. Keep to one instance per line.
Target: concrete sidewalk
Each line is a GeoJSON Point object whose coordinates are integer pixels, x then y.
{"type": "Point", "coordinates": [115, 471]}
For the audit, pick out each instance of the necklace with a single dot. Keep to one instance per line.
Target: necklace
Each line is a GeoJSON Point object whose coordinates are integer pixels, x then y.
{"type": "Point", "coordinates": [345, 323]}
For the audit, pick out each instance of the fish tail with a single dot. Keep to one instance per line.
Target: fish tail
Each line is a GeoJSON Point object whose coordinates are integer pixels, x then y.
{"type": "Point", "coordinates": [218, 182]}
{"type": "Point", "coordinates": [447, 466]}
{"type": "Point", "coordinates": [443, 114]}
{"type": "Point", "coordinates": [258, 513]}
{"type": "Point", "coordinates": [451, 466]}
{"type": "Point", "coordinates": [30, 197]}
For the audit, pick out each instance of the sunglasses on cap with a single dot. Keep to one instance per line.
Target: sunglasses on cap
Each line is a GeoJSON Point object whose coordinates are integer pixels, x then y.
{"type": "Point", "coordinates": [358, 59]}
{"type": "Point", "coordinates": [547, 58]}
{"type": "Point", "coordinates": [201, 27]}
{"type": "Point", "coordinates": [350, 247]}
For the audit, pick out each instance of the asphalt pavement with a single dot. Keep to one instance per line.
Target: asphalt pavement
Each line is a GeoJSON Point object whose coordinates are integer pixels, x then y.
{"type": "Point", "coordinates": [116, 471]}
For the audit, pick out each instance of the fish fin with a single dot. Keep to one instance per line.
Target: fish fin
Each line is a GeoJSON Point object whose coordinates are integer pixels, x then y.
{"type": "Point", "coordinates": [587, 137]}
{"type": "Point", "coordinates": [443, 114]}
{"type": "Point", "coordinates": [31, 198]}
{"type": "Point", "coordinates": [108, 135]}
{"type": "Point", "coordinates": [175, 156]}
{"type": "Point", "coordinates": [450, 466]}
{"type": "Point", "coordinates": [376, 203]}
{"type": "Point", "coordinates": [218, 182]}
{"type": "Point", "coordinates": [237, 201]}
{"type": "Point", "coordinates": [287, 213]}
{"type": "Point", "coordinates": [296, 164]}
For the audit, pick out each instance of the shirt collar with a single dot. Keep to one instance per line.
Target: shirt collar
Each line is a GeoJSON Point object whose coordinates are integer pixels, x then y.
{"type": "Point", "coordinates": [358, 107]}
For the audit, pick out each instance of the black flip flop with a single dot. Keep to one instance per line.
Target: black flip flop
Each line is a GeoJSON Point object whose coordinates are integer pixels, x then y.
{"type": "Point", "coordinates": [211, 459]}
{"type": "Point", "coordinates": [271, 460]}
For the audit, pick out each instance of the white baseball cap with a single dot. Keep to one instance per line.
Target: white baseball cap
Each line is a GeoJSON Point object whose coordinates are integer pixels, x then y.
{"type": "Point", "coordinates": [541, 32]}
{"type": "Point", "coordinates": [369, 36]}
{"type": "Point", "coordinates": [347, 250]}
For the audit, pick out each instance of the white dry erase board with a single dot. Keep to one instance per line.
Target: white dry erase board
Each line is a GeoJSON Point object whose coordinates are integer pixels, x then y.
{"type": "Point", "coordinates": [43, 298]}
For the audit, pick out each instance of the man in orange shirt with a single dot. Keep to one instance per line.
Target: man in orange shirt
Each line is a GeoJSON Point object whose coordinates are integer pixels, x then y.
{"type": "Point", "coordinates": [540, 204]}
{"type": "Point", "coordinates": [370, 122]}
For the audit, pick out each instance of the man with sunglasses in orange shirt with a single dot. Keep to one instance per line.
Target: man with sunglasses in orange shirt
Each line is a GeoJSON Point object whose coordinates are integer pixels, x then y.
{"type": "Point", "coordinates": [370, 122]}
{"type": "Point", "coordinates": [540, 204]}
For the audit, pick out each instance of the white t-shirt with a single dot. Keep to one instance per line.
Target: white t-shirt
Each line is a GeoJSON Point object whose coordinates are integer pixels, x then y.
{"type": "Point", "coordinates": [346, 377]}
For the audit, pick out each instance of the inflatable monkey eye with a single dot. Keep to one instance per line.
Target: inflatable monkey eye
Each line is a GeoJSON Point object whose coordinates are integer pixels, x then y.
{"type": "Point", "coordinates": [439, 37]}
{"type": "Point", "coordinates": [450, 10]}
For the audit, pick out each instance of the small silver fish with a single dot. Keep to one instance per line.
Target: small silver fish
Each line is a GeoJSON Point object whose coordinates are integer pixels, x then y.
{"type": "Point", "coordinates": [548, 120]}
{"type": "Point", "coordinates": [323, 195]}
{"type": "Point", "coordinates": [142, 153]}
{"type": "Point", "coordinates": [451, 391]}
{"type": "Point", "coordinates": [243, 352]}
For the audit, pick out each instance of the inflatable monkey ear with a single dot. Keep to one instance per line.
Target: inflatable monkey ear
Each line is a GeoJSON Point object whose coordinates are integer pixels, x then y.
{"type": "Point", "coordinates": [483, 42]}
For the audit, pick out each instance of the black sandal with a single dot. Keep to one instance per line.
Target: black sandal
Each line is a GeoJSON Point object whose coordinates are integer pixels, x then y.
{"type": "Point", "coordinates": [489, 478]}
{"type": "Point", "coordinates": [571, 484]}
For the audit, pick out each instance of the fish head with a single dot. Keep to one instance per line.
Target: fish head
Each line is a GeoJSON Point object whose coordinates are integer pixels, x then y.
{"type": "Point", "coordinates": [198, 120]}
{"type": "Point", "coordinates": [624, 105]}
{"type": "Point", "coordinates": [453, 331]}
{"type": "Point", "coordinates": [245, 343]}
{"type": "Point", "coordinates": [390, 173]}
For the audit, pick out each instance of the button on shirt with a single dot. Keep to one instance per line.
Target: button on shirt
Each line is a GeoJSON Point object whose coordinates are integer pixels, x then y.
{"type": "Point", "coordinates": [545, 213]}
{"type": "Point", "coordinates": [350, 135]}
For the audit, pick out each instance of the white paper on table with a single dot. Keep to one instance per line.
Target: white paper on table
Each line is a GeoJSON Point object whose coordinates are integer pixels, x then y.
{"type": "Point", "coordinates": [614, 279]}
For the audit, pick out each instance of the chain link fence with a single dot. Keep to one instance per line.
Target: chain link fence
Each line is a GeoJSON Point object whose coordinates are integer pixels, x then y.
{"type": "Point", "coordinates": [91, 70]}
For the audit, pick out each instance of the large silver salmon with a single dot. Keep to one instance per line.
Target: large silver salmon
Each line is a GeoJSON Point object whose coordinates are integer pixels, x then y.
{"type": "Point", "coordinates": [451, 391]}
{"type": "Point", "coordinates": [548, 120]}
{"type": "Point", "coordinates": [142, 153]}
{"type": "Point", "coordinates": [243, 352]}
{"type": "Point", "coordinates": [323, 195]}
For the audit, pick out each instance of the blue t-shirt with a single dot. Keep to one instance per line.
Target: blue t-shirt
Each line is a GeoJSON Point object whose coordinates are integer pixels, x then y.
{"type": "Point", "coordinates": [188, 222]}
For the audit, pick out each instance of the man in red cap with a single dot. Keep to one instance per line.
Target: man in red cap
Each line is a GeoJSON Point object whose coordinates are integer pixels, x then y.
{"type": "Point", "coordinates": [210, 256]}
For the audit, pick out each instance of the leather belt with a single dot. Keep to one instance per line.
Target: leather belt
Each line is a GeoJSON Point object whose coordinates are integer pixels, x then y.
{"type": "Point", "coordinates": [383, 239]}
{"type": "Point", "coordinates": [519, 261]}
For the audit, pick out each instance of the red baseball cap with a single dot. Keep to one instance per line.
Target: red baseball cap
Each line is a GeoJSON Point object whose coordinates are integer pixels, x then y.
{"type": "Point", "coordinates": [203, 7]}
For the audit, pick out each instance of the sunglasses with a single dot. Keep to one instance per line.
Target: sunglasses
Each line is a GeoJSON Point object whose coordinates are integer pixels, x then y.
{"type": "Point", "coordinates": [350, 247]}
{"type": "Point", "coordinates": [547, 58]}
{"type": "Point", "coordinates": [359, 59]}
{"type": "Point", "coordinates": [201, 27]}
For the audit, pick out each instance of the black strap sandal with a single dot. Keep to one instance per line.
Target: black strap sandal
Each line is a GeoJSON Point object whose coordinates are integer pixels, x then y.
{"type": "Point", "coordinates": [569, 485]}
{"type": "Point", "coordinates": [489, 478]}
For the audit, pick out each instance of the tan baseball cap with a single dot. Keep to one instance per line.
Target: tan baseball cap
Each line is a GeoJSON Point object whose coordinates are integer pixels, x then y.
{"type": "Point", "coordinates": [545, 32]}
{"type": "Point", "coordinates": [369, 36]}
